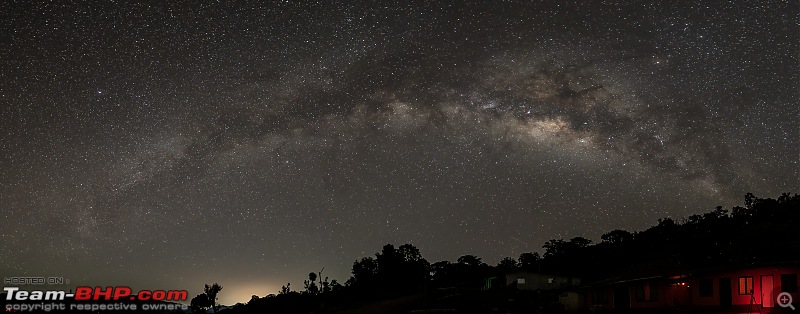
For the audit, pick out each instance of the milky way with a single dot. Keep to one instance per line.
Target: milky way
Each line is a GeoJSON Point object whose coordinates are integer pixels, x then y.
{"type": "Point", "coordinates": [167, 146]}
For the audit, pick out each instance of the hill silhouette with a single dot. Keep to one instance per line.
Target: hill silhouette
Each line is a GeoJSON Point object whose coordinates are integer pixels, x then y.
{"type": "Point", "coordinates": [761, 232]}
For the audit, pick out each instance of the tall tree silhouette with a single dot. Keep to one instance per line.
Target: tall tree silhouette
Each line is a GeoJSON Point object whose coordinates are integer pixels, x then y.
{"type": "Point", "coordinates": [211, 293]}
{"type": "Point", "coordinates": [310, 284]}
{"type": "Point", "coordinates": [554, 247]}
{"type": "Point", "coordinates": [409, 253]}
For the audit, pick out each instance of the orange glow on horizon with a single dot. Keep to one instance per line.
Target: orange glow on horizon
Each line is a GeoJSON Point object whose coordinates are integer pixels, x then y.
{"type": "Point", "coordinates": [233, 293]}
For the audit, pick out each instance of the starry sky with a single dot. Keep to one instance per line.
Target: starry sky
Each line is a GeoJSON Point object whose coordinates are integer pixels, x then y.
{"type": "Point", "coordinates": [167, 145]}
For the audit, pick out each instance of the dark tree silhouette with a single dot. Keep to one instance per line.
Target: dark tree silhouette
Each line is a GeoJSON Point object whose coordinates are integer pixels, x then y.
{"type": "Point", "coordinates": [286, 289]}
{"type": "Point", "coordinates": [409, 253]}
{"type": "Point", "coordinates": [554, 247]}
{"type": "Point", "coordinates": [749, 200]}
{"type": "Point", "coordinates": [616, 236]}
{"type": "Point", "coordinates": [507, 265]}
{"type": "Point", "coordinates": [470, 260]}
{"type": "Point", "coordinates": [211, 293]}
{"type": "Point", "coordinates": [335, 285]}
{"type": "Point", "coordinates": [310, 284]}
{"type": "Point", "coordinates": [580, 242]}
{"type": "Point", "coordinates": [200, 303]}
{"type": "Point", "coordinates": [441, 271]}
{"type": "Point", "coordinates": [529, 261]}
{"type": "Point", "coordinates": [365, 274]}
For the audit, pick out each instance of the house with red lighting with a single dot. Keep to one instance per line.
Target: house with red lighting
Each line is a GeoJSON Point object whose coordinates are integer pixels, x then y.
{"type": "Point", "coordinates": [733, 289]}
{"type": "Point", "coordinates": [741, 288]}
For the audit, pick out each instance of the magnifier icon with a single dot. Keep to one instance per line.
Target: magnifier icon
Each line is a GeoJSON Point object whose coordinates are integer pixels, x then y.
{"type": "Point", "coordinates": [785, 300]}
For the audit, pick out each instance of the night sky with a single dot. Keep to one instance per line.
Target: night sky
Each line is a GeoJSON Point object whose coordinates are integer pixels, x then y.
{"type": "Point", "coordinates": [164, 146]}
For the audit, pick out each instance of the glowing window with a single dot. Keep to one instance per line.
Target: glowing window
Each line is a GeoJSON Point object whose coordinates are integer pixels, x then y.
{"type": "Point", "coordinates": [745, 285]}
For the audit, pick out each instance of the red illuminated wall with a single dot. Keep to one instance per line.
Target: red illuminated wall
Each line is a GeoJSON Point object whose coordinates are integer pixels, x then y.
{"type": "Point", "coordinates": [685, 293]}
{"type": "Point", "coordinates": [737, 299]}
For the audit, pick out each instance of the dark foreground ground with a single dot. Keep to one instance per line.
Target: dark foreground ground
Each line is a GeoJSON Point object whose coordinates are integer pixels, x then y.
{"type": "Point", "coordinates": [512, 302]}
{"type": "Point", "coordinates": [509, 301]}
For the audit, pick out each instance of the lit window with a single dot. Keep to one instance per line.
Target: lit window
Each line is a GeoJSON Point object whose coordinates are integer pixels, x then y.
{"type": "Point", "coordinates": [520, 281]}
{"type": "Point", "coordinates": [745, 285]}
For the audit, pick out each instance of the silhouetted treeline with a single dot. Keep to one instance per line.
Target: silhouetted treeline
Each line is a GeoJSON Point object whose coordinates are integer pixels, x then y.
{"type": "Point", "coordinates": [763, 231]}
{"type": "Point", "coordinates": [206, 300]}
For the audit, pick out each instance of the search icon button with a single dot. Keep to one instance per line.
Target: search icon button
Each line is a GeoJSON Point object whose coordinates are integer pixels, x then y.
{"type": "Point", "coordinates": [785, 300]}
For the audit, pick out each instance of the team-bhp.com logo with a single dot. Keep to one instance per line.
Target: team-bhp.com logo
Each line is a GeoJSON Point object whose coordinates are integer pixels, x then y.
{"type": "Point", "coordinates": [84, 293]}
